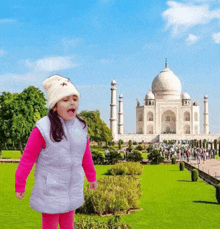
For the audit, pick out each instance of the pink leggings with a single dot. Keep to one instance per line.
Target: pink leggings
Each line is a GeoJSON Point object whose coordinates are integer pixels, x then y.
{"type": "Point", "coordinates": [65, 220]}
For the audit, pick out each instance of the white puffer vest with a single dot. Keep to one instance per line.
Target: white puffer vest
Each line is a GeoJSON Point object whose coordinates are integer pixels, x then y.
{"type": "Point", "coordinates": [59, 176]}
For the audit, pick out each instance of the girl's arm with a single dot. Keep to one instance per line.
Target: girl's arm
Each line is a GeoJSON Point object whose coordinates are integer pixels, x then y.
{"type": "Point", "coordinates": [33, 147]}
{"type": "Point", "coordinates": [88, 165]}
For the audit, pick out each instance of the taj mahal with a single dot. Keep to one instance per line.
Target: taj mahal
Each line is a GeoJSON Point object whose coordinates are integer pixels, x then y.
{"type": "Point", "coordinates": [167, 114]}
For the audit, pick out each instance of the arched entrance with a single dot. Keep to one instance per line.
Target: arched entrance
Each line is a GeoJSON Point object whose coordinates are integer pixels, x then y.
{"type": "Point", "coordinates": [168, 122]}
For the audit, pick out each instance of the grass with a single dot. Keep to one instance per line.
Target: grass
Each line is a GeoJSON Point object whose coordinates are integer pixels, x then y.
{"type": "Point", "coordinates": [11, 154]}
{"type": "Point", "coordinates": [170, 200]}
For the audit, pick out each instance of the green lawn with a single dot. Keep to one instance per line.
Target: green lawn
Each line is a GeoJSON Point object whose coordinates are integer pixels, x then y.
{"type": "Point", "coordinates": [15, 154]}
{"type": "Point", "coordinates": [170, 200]}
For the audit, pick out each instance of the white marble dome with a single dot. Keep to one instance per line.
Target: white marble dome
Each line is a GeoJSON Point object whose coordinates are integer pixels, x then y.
{"type": "Point", "coordinates": [185, 95]}
{"type": "Point", "coordinates": [149, 95]}
{"type": "Point", "coordinates": [166, 85]}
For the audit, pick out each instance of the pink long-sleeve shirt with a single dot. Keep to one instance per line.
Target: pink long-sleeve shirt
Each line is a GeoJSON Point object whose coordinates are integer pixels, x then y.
{"type": "Point", "coordinates": [31, 152]}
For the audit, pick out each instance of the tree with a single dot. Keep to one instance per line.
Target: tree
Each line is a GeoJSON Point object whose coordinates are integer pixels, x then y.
{"type": "Point", "coordinates": [97, 128]}
{"type": "Point", "coordinates": [6, 114]}
{"type": "Point", "coordinates": [30, 106]}
{"type": "Point", "coordinates": [20, 112]}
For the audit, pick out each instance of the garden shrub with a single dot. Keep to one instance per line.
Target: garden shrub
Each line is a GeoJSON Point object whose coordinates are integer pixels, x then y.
{"type": "Point", "coordinates": [150, 149]}
{"type": "Point", "coordinates": [98, 157]}
{"type": "Point", "coordinates": [139, 147]}
{"type": "Point", "coordinates": [129, 149]}
{"type": "Point", "coordinates": [126, 168]}
{"type": "Point", "coordinates": [194, 175]}
{"type": "Point", "coordinates": [111, 197]}
{"type": "Point", "coordinates": [119, 144]}
{"type": "Point", "coordinates": [217, 192]}
{"type": "Point", "coordinates": [113, 157]}
{"type": "Point", "coordinates": [135, 156]}
{"type": "Point", "coordinates": [120, 140]}
{"type": "Point", "coordinates": [181, 166]}
{"type": "Point", "coordinates": [155, 157]}
{"type": "Point", "coordinates": [114, 222]}
{"type": "Point", "coordinates": [173, 160]}
{"type": "Point", "coordinates": [111, 143]}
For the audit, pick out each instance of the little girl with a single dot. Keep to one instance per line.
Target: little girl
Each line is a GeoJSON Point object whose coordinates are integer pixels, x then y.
{"type": "Point", "coordinates": [59, 145]}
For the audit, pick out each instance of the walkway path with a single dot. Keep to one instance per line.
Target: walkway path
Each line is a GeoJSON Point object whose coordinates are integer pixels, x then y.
{"type": "Point", "coordinates": [210, 166]}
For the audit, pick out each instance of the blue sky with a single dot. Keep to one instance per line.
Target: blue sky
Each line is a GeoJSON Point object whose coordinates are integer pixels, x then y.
{"type": "Point", "coordinates": [93, 42]}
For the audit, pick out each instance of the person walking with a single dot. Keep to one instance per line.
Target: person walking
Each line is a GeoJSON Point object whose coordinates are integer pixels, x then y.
{"type": "Point", "coordinates": [59, 145]}
{"type": "Point", "coordinates": [179, 153]}
{"type": "Point", "coordinates": [187, 155]}
{"type": "Point", "coordinates": [204, 155]}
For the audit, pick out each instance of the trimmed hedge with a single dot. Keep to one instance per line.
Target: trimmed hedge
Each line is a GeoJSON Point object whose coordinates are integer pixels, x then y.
{"type": "Point", "coordinates": [88, 223]}
{"type": "Point", "coordinates": [155, 157]}
{"type": "Point", "coordinates": [194, 175]}
{"type": "Point", "coordinates": [135, 156]}
{"type": "Point", "coordinates": [126, 168]}
{"type": "Point", "coordinates": [110, 197]}
{"type": "Point", "coordinates": [139, 147]}
{"type": "Point", "coordinates": [173, 160]}
{"type": "Point", "coordinates": [181, 166]}
{"type": "Point", "coordinates": [113, 157]}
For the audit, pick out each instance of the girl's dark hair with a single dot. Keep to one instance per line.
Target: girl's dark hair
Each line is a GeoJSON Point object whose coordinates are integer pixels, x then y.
{"type": "Point", "coordinates": [56, 126]}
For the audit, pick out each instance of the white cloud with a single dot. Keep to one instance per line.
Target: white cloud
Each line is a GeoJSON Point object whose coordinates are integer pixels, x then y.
{"type": "Point", "coordinates": [50, 64]}
{"type": "Point", "coordinates": [191, 39]}
{"type": "Point", "coordinates": [7, 20]}
{"type": "Point", "coordinates": [181, 15]}
{"type": "Point", "coordinates": [20, 77]}
{"type": "Point", "coordinates": [216, 37]}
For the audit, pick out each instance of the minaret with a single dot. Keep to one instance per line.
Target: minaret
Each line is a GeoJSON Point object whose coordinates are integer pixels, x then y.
{"type": "Point", "coordinates": [120, 115]}
{"type": "Point", "coordinates": [206, 116]}
{"type": "Point", "coordinates": [113, 119]}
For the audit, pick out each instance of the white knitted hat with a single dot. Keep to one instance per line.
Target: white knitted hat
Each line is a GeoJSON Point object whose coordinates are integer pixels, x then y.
{"type": "Point", "coordinates": [57, 88]}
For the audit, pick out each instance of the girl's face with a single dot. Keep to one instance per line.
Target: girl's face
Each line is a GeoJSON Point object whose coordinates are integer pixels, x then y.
{"type": "Point", "coordinates": [67, 107]}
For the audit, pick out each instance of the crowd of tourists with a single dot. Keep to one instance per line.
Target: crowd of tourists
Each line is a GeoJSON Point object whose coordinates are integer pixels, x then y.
{"type": "Point", "coordinates": [185, 152]}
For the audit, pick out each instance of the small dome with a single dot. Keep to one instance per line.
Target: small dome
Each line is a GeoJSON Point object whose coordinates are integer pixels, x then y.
{"type": "Point", "coordinates": [120, 96]}
{"type": "Point", "coordinates": [166, 85]}
{"type": "Point", "coordinates": [113, 82]}
{"type": "Point", "coordinates": [149, 95]}
{"type": "Point", "coordinates": [205, 96]}
{"type": "Point", "coordinates": [185, 95]}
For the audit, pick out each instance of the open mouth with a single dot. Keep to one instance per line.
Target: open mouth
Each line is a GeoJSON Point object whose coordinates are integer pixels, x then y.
{"type": "Point", "coordinates": [71, 112]}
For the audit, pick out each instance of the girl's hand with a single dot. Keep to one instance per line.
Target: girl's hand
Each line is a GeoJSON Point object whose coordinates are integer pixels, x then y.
{"type": "Point", "coordinates": [19, 195]}
{"type": "Point", "coordinates": [93, 185]}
